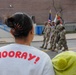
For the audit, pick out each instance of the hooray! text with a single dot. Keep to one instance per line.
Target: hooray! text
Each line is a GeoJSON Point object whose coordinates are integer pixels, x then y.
{"type": "Point", "coordinates": [19, 54]}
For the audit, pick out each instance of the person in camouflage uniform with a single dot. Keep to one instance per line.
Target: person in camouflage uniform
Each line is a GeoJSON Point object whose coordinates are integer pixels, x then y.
{"type": "Point", "coordinates": [52, 29]}
{"type": "Point", "coordinates": [62, 41]}
{"type": "Point", "coordinates": [44, 35]}
{"type": "Point", "coordinates": [55, 36]}
{"type": "Point", "coordinates": [52, 35]}
{"type": "Point", "coordinates": [48, 31]}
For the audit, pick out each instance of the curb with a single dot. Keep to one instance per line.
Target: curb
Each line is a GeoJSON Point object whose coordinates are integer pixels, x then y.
{"type": "Point", "coordinates": [6, 42]}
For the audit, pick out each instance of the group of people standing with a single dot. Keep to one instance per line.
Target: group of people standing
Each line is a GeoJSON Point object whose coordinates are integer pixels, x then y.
{"type": "Point", "coordinates": [55, 34]}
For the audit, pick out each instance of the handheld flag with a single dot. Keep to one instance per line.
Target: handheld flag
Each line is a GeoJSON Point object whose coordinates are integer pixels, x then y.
{"type": "Point", "coordinates": [57, 17]}
{"type": "Point", "coordinates": [50, 17]}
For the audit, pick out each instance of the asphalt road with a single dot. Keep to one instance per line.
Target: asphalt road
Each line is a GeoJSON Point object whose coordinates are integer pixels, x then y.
{"type": "Point", "coordinates": [71, 45]}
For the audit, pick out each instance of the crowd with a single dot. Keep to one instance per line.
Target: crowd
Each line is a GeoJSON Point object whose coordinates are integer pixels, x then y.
{"type": "Point", "coordinates": [55, 35]}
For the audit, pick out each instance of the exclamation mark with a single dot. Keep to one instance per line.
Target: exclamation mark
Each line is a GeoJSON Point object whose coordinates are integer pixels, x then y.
{"type": "Point", "coordinates": [37, 59]}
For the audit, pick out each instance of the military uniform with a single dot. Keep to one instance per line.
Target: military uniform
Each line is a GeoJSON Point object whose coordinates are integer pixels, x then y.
{"type": "Point", "coordinates": [52, 37]}
{"type": "Point", "coordinates": [47, 35]}
{"type": "Point", "coordinates": [55, 37]}
{"type": "Point", "coordinates": [44, 36]}
{"type": "Point", "coordinates": [62, 41]}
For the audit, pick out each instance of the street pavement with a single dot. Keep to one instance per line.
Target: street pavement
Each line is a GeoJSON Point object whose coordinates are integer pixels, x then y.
{"type": "Point", "coordinates": [68, 37]}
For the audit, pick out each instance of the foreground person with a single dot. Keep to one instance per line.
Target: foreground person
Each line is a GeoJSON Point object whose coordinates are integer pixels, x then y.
{"type": "Point", "coordinates": [20, 58]}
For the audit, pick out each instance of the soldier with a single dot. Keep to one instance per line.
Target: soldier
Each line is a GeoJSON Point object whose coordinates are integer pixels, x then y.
{"type": "Point", "coordinates": [44, 35]}
{"type": "Point", "coordinates": [55, 36]}
{"type": "Point", "coordinates": [52, 29]}
{"type": "Point", "coordinates": [62, 41]}
{"type": "Point", "coordinates": [52, 35]}
{"type": "Point", "coordinates": [48, 31]}
{"type": "Point", "coordinates": [47, 35]}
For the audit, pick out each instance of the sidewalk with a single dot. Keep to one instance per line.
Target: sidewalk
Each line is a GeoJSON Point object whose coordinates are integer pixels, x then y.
{"type": "Point", "coordinates": [68, 37]}
{"type": "Point", "coordinates": [36, 38]}
{"type": "Point", "coordinates": [71, 36]}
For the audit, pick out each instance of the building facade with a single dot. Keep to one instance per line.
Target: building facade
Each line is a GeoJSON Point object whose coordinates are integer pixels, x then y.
{"type": "Point", "coordinates": [40, 9]}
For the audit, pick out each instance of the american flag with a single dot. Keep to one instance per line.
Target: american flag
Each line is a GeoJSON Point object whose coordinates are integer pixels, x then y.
{"type": "Point", "coordinates": [50, 17]}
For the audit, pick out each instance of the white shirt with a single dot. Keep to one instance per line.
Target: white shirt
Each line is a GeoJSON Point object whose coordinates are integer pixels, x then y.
{"type": "Point", "coordinates": [16, 59]}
